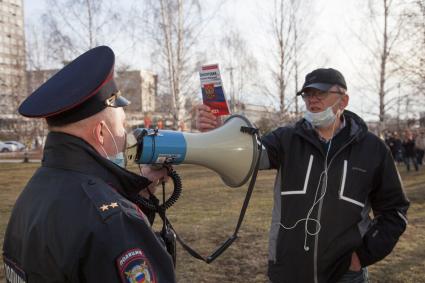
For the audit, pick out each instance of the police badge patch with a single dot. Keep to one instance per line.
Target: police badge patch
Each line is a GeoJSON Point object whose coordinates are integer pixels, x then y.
{"type": "Point", "coordinates": [134, 267]}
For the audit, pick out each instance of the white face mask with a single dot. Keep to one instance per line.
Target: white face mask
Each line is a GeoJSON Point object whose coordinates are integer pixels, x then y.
{"type": "Point", "coordinates": [119, 157]}
{"type": "Point", "coordinates": [321, 119]}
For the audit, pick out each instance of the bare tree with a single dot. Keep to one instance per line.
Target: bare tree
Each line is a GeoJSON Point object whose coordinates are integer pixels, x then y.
{"type": "Point", "coordinates": [383, 45]}
{"type": "Point", "coordinates": [300, 11]}
{"type": "Point", "coordinates": [289, 33]}
{"type": "Point", "coordinates": [282, 28]}
{"type": "Point", "coordinates": [174, 27]}
{"type": "Point", "coordinates": [58, 36]}
{"type": "Point", "coordinates": [412, 62]}
{"type": "Point", "coordinates": [172, 35]}
{"type": "Point", "coordinates": [13, 125]}
{"type": "Point", "coordinates": [384, 58]}
{"type": "Point", "coordinates": [240, 65]}
{"type": "Point", "coordinates": [84, 25]}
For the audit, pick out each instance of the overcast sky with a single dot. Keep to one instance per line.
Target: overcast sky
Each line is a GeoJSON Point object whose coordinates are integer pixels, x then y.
{"type": "Point", "coordinates": [332, 41]}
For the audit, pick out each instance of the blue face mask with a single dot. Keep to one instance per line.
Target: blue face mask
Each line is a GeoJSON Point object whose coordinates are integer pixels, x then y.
{"type": "Point", "coordinates": [119, 158]}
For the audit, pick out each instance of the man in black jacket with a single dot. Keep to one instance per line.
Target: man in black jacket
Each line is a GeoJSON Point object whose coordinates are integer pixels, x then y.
{"type": "Point", "coordinates": [76, 220]}
{"type": "Point", "coordinates": [331, 172]}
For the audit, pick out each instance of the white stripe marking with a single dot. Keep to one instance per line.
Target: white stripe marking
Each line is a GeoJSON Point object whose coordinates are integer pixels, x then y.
{"type": "Point", "coordinates": [307, 177]}
{"type": "Point", "coordinates": [341, 191]}
{"type": "Point", "coordinates": [402, 217]}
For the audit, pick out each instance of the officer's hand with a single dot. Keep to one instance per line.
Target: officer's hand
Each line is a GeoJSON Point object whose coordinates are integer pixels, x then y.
{"type": "Point", "coordinates": [156, 176]}
{"type": "Point", "coordinates": [205, 120]}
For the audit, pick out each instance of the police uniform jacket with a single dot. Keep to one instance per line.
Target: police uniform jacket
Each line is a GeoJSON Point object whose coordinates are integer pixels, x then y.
{"type": "Point", "coordinates": [74, 222]}
{"type": "Point", "coordinates": [324, 194]}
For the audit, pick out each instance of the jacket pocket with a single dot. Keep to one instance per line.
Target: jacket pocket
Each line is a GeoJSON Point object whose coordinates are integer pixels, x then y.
{"type": "Point", "coordinates": [290, 188]}
{"type": "Point", "coordinates": [336, 257]}
{"type": "Point", "coordinates": [354, 185]}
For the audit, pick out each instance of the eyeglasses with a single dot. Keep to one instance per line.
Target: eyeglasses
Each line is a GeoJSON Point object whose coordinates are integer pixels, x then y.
{"type": "Point", "coordinates": [319, 94]}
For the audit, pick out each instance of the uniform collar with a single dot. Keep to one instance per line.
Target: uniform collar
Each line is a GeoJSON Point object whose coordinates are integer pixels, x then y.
{"type": "Point", "coordinates": [68, 152]}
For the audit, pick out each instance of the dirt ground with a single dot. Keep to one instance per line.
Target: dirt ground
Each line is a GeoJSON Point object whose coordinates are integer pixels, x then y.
{"type": "Point", "coordinates": [206, 215]}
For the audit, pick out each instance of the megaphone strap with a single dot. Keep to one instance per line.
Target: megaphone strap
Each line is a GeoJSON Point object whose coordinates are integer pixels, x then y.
{"type": "Point", "coordinates": [153, 203]}
{"type": "Point", "coordinates": [218, 251]}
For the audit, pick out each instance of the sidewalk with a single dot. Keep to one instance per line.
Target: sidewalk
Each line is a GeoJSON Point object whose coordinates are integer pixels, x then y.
{"type": "Point", "coordinates": [18, 156]}
{"type": "Point", "coordinates": [19, 160]}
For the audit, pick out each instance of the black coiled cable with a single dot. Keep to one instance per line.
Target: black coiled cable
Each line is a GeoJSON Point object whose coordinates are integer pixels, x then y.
{"type": "Point", "coordinates": [153, 203]}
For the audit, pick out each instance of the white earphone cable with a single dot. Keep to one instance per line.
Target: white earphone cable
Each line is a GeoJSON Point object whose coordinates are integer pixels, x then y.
{"type": "Point", "coordinates": [324, 175]}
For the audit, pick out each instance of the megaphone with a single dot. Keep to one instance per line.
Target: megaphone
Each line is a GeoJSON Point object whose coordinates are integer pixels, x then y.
{"type": "Point", "coordinates": [230, 150]}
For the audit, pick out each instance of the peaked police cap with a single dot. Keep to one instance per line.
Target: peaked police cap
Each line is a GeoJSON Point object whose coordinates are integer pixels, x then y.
{"type": "Point", "coordinates": [81, 89]}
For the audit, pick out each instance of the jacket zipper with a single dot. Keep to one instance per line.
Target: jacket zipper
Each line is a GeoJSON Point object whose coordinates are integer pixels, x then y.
{"type": "Point", "coordinates": [319, 212]}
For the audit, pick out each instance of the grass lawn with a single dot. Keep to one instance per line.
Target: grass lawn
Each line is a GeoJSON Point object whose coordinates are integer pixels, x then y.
{"type": "Point", "coordinates": [206, 215]}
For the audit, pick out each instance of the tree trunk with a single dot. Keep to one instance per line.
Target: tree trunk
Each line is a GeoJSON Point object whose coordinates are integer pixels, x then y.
{"type": "Point", "coordinates": [384, 59]}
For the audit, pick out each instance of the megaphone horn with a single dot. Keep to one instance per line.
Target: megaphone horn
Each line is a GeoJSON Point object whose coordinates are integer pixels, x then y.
{"type": "Point", "coordinates": [228, 150]}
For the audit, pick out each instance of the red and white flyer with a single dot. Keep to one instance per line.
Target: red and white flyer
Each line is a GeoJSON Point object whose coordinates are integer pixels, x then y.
{"type": "Point", "coordinates": [212, 90]}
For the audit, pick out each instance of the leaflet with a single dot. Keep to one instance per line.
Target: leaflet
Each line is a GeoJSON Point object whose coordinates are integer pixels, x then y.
{"type": "Point", "coordinates": [212, 90]}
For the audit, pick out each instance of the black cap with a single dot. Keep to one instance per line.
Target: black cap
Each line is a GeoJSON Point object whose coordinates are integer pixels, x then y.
{"type": "Point", "coordinates": [81, 89]}
{"type": "Point", "coordinates": [323, 79]}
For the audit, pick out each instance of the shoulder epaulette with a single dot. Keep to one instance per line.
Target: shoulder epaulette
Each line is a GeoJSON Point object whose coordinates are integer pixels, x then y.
{"type": "Point", "coordinates": [106, 202]}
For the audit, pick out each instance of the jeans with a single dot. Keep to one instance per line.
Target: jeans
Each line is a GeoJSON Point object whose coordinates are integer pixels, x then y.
{"type": "Point", "coordinates": [420, 156]}
{"type": "Point", "coordinates": [407, 161]}
{"type": "Point", "coordinates": [355, 276]}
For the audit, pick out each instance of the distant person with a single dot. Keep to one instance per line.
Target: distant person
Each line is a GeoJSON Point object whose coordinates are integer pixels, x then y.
{"type": "Point", "coordinates": [160, 124]}
{"type": "Point", "coordinates": [147, 121]}
{"type": "Point", "coordinates": [409, 150]}
{"type": "Point", "coordinates": [397, 148]}
{"type": "Point", "coordinates": [331, 172]}
{"type": "Point", "coordinates": [76, 221]}
{"type": "Point", "coordinates": [420, 147]}
{"type": "Point", "coordinates": [390, 142]}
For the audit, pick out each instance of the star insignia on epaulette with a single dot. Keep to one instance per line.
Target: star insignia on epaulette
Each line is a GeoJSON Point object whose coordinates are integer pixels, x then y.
{"type": "Point", "coordinates": [104, 207]}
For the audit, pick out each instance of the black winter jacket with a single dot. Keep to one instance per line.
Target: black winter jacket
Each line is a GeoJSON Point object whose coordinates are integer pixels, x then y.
{"type": "Point", "coordinates": [74, 222]}
{"type": "Point", "coordinates": [322, 216]}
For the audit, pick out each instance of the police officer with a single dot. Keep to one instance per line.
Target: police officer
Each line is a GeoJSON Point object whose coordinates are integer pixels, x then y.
{"type": "Point", "coordinates": [75, 221]}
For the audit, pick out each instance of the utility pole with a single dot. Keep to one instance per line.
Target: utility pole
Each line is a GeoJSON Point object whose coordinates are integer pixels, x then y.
{"type": "Point", "coordinates": [398, 108]}
{"type": "Point", "coordinates": [294, 22]}
{"type": "Point", "coordinates": [232, 90]}
{"type": "Point", "coordinates": [407, 109]}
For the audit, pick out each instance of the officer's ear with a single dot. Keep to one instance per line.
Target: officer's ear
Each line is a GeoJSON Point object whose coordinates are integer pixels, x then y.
{"type": "Point", "coordinates": [99, 133]}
